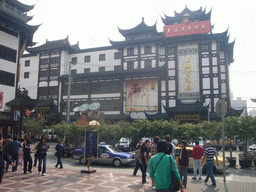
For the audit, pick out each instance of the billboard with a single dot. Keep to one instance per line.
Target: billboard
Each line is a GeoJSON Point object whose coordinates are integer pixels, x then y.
{"type": "Point", "coordinates": [142, 95]}
{"type": "Point", "coordinates": [187, 28]}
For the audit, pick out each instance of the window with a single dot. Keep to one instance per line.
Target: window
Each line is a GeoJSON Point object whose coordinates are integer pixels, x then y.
{"type": "Point", "coordinates": [117, 55]}
{"type": "Point", "coordinates": [130, 51]}
{"type": "Point", "coordinates": [148, 63]}
{"type": "Point", "coordinates": [87, 70]}
{"type": "Point", "coordinates": [102, 57]}
{"type": "Point", "coordinates": [7, 53]}
{"type": "Point", "coordinates": [44, 73]}
{"type": "Point", "coordinates": [27, 63]}
{"type": "Point", "coordinates": [171, 50]}
{"type": "Point", "coordinates": [26, 75]}
{"type": "Point", "coordinates": [74, 60]}
{"type": "Point", "coordinates": [148, 49]}
{"type": "Point", "coordinates": [87, 58]}
{"type": "Point", "coordinates": [7, 78]}
{"type": "Point", "coordinates": [73, 72]}
{"type": "Point", "coordinates": [117, 68]}
{"type": "Point", "coordinates": [204, 47]}
{"type": "Point", "coordinates": [54, 72]}
{"type": "Point", "coordinates": [101, 69]}
{"type": "Point", "coordinates": [130, 65]}
{"type": "Point", "coordinates": [55, 60]}
{"type": "Point", "coordinates": [44, 61]}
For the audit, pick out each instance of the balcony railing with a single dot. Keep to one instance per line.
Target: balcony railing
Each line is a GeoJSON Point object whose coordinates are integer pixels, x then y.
{"type": "Point", "coordinates": [13, 11]}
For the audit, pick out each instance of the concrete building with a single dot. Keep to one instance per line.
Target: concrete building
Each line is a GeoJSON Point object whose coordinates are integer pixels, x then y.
{"type": "Point", "coordinates": [15, 36]}
{"type": "Point", "coordinates": [179, 73]}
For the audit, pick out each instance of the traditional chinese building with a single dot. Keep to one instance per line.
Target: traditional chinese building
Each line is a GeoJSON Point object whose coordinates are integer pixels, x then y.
{"type": "Point", "coordinates": [15, 36]}
{"type": "Point", "coordinates": [178, 73]}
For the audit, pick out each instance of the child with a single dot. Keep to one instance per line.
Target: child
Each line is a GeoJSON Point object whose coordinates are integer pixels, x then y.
{"type": "Point", "coordinates": [27, 157]}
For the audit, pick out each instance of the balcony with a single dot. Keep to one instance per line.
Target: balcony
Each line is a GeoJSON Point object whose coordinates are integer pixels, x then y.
{"type": "Point", "coordinates": [13, 11]}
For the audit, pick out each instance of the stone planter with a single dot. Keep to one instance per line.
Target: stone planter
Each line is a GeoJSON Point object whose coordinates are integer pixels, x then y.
{"type": "Point", "coordinates": [245, 161]}
{"type": "Point", "coordinates": [232, 161]}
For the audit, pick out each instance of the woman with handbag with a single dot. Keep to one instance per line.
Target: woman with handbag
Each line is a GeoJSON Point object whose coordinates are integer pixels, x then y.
{"type": "Point", "coordinates": [162, 168]}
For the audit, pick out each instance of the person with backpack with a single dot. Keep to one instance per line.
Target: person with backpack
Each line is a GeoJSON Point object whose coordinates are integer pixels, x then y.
{"type": "Point", "coordinates": [59, 148]}
{"type": "Point", "coordinates": [138, 157]}
{"type": "Point", "coordinates": [163, 170]}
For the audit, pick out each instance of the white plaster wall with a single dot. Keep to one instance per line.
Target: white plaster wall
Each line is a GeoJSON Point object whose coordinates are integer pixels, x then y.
{"type": "Point", "coordinates": [94, 65]}
{"type": "Point", "coordinates": [9, 91]}
{"type": "Point", "coordinates": [30, 83]}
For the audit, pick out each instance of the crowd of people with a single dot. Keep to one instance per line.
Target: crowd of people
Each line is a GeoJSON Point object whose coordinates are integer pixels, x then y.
{"type": "Point", "coordinates": [16, 151]}
{"type": "Point", "coordinates": [162, 160]}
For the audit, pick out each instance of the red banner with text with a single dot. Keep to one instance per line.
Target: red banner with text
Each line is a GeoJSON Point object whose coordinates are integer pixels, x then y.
{"type": "Point", "coordinates": [187, 29]}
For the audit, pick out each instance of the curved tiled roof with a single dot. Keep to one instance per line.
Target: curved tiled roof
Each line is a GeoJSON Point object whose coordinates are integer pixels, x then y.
{"type": "Point", "coordinates": [54, 45]}
{"type": "Point", "coordinates": [20, 6]}
{"type": "Point", "coordinates": [141, 28]}
{"type": "Point", "coordinates": [199, 15]}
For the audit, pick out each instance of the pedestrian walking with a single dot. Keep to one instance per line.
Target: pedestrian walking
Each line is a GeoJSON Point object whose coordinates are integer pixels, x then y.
{"type": "Point", "coordinates": [59, 150]}
{"type": "Point", "coordinates": [154, 152]}
{"type": "Point", "coordinates": [42, 148]}
{"type": "Point", "coordinates": [145, 159]}
{"type": "Point", "coordinates": [161, 167]}
{"type": "Point", "coordinates": [4, 158]}
{"type": "Point", "coordinates": [209, 154]}
{"type": "Point", "coordinates": [183, 163]}
{"type": "Point", "coordinates": [36, 153]}
{"type": "Point", "coordinates": [171, 150]}
{"type": "Point", "coordinates": [197, 155]}
{"type": "Point", "coordinates": [138, 161]}
{"type": "Point", "coordinates": [27, 157]}
{"type": "Point", "coordinates": [15, 151]}
{"type": "Point", "coordinates": [7, 149]}
{"type": "Point", "coordinates": [21, 158]}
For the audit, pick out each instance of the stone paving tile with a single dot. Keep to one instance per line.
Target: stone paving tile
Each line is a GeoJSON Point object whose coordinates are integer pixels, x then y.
{"type": "Point", "coordinates": [62, 180]}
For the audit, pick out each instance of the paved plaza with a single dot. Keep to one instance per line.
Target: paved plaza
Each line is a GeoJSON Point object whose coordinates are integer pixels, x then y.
{"type": "Point", "coordinates": [73, 180]}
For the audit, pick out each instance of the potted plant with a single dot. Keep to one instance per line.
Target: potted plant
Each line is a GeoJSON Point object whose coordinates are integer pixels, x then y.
{"type": "Point", "coordinates": [231, 159]}
{"type": "Point", "coordinates": [231, 125]}
{"type": "Point", "coordinates": [246, 131]}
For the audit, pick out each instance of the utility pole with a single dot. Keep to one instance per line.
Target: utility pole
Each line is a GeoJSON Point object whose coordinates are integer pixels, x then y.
{"type": "Point", "coordinates": [69, 87]}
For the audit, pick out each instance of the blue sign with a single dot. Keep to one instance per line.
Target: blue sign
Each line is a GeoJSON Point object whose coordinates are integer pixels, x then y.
{"type": "Point", "coordinates": [69, 122]}
{"type": "Point", "coordinates": [91, 142]}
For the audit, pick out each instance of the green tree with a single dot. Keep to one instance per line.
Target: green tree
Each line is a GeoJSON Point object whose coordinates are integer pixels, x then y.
{"type": "Point", "coordinates": [246, 129]}
{"type": "Point", "coordinates": [33, 126]}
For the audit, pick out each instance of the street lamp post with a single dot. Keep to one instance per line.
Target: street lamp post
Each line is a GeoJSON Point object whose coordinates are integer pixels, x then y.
{"type": "Point", "coordinates": [69, 87]}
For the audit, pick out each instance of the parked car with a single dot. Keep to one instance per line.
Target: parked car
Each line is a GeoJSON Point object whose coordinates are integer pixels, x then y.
{"type": "Point", "coordinates": [252, 150]}
{"type": "Point", "coordinates": [123, 144]}
{"type": "Point", "coordinates": [107, 154]}
{"type": "Point", "coordinates": [216, 167]}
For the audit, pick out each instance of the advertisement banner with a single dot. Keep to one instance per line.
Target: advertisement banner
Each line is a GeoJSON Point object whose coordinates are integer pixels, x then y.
{"type": "Point", "coordinates": [187, 28]}
{"type": "Point", "coordinates": [142, 95]}
{"type": "Point", "coordinates": [91, 144]}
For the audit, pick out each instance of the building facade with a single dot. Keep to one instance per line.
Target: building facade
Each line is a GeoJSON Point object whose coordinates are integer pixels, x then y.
{"type": "Point", "coordinates": [179, 73]}
{"type": "Point", "coordinates": [15, 36]}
